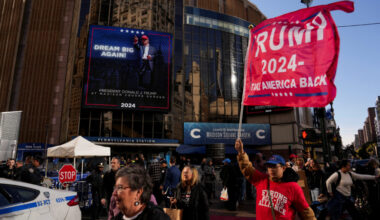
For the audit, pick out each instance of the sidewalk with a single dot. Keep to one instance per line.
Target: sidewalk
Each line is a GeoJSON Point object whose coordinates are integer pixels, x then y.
{"type": "Point", "coordinates": [246, 209]}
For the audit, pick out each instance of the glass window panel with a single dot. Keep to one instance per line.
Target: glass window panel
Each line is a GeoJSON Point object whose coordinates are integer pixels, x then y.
{"type": "Point", "coordinates": [137, 125]}
{"type": "Point", "coordinates": [106, 124]}
{"type": "Point", "coordinates": [116, 124]}
{"type": "Point", "coordinates": [186, 49]}
{"type": "Point", "coordinates": [211, 36]}
{"type": "Point", "coordinates": [195, 34]}
{"type": "Point", "coordinates": [95, 123]}
{"type": "Point", "coordinates": [235, 108]}
{"type": "Point", "coordinates": [84, 123]}
{"type": "Point", "coordinates": [127, 122]}
{"type": "Point", "coordinates": [148, 125]}
{"type": "Point", "coordinates": [158, 125]}
{"type": "Point", "coordinates": [196, 53]}
{"type": "Point", "coordinates": [220, 106]}
{"type": "Point", "coordinates": [203, 32]}
{"type": "Point", "coordinates": [204, 76]}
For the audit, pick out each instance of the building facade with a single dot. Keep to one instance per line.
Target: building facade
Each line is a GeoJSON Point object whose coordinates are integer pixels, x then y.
{"type": "Point", "coordinates": [209, 43]}
{"type": "Point", "coordinates": [37, 40]}
{"type": "Point", "coordinates": [44, 73]}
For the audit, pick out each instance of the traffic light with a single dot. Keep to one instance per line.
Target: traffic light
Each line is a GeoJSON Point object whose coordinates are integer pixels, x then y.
{"type": "Point", "coordinates": [310, 136]}
{"type": "Point", "coordinates": [304, 134]}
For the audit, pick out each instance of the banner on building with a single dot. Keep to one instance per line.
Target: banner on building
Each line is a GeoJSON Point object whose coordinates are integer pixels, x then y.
{"type": "Point", "coordinates": [127, 69]}
{"type": "Point", "coordinates": [292, 59]}
{"type": "Point", "coordinates": [213, 133]}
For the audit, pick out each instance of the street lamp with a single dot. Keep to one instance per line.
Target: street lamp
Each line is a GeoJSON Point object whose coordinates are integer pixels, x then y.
{"type": "Point", "coordinates": [307, 2]}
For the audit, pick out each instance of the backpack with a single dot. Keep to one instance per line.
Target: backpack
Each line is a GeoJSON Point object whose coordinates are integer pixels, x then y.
{"type": "Point", "coordinates": [338, 180]}
{"type": "Point", "coordinates": [359, 192]}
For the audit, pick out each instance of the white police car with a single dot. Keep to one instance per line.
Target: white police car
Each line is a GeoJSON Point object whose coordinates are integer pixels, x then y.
{"type": "Point", "coordinates": [19, 200]}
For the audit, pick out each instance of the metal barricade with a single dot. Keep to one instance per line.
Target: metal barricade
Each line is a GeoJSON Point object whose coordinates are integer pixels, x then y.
{"type": "Point", "coordinates": [80, 186]}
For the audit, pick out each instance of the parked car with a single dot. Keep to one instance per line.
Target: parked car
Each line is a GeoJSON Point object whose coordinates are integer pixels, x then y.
{"type": "Point", "coordinates": [19, 201]}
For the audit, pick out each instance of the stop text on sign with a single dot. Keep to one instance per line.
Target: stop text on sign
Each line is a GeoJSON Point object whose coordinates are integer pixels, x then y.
{"type": "Point", "coordinates": [67, 175]}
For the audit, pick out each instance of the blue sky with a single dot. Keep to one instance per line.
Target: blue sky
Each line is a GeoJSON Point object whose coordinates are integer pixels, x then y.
{"type": "Point", "coordinates": [358, 74]}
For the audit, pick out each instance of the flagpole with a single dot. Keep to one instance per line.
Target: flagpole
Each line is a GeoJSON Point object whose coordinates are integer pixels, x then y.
{"type": "Point", "coordinates": [245, 78]}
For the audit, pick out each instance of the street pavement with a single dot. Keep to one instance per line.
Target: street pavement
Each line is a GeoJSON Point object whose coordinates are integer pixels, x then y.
{"type": "Point", "coordinates": [245, 210]}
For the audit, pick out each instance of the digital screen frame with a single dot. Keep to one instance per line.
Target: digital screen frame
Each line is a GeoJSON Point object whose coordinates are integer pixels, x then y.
{"type": "Point", "coordinates": [123, 71]}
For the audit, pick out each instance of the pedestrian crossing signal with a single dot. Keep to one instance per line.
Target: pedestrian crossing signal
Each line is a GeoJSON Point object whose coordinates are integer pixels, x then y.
{"type": "Point", "coordinates": [304, 134]}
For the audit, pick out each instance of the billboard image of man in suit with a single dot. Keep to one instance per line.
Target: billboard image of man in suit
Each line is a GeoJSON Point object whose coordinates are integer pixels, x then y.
{"type": "Point", "coordinates": [147, 55]}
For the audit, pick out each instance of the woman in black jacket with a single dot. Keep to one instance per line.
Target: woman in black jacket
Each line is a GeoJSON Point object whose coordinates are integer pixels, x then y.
{"type": "Point", "coordinates": [191, 196]}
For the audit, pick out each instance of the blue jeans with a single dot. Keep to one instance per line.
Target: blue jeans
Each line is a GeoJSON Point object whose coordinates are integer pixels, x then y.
{"type": "Point", "coordinates": [338, 204]}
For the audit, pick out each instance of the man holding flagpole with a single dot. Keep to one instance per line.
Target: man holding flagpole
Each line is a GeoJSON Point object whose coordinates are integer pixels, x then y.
{"type": "Point", "coordinates": [277, 196]}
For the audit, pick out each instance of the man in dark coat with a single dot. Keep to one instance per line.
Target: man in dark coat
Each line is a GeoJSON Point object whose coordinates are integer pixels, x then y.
{"type": "Point", "coordinates": [208, 178]}
{"type": "Point", "coordinates": [31, 173]}
{"type": "Point", "coordinates": [97, 190]}
{"type": "Point", "coordinates": [109, 179]}
{"type": "Point", "coordinates": [232, 179]}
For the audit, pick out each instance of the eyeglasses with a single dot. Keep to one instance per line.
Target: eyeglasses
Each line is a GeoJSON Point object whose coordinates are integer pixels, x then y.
{"type": "Point", "coordinates": [120, 188]}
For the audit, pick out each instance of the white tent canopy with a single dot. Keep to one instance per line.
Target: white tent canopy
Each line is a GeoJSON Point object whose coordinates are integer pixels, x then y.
{"type": "Point", "coordinates": [78, 147]}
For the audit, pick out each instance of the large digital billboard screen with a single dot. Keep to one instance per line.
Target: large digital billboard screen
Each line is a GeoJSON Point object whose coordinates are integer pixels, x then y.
{"type": "Point", "coordinates": [127, 69]}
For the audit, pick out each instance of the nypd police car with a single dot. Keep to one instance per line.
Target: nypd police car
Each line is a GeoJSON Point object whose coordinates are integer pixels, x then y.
{"type": "Point", "coordinates": [19, 201]}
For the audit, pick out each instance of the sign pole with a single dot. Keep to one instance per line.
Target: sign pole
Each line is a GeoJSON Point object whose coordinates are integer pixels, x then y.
{"type": "Point", "coordinates": [245, 78]}
{"type": "Point", "coordinates": [46, 143]}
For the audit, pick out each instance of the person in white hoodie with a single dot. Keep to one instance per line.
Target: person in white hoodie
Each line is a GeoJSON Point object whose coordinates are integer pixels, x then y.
{"type": "Point", "coordinates": [341, 196]}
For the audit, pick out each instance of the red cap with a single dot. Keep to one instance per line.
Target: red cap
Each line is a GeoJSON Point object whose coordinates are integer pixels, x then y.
{"type": "Point", "coordinates": [144, 37]}
{"type": "Point", "coordinates": [293, 156]}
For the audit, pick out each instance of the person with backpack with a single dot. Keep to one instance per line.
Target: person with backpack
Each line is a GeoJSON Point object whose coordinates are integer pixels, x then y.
{"type": "Point", "coordinates": [339, 188]}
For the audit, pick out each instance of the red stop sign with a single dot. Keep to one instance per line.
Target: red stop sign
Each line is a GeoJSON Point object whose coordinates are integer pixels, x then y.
{"type": "Point", "coordinates": [67, 174]}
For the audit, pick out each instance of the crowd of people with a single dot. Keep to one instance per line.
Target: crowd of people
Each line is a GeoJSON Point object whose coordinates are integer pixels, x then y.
{"type": "Point", "coordinates": [138, 189]}
{"type": "Point", "coordinates": [28, 171]}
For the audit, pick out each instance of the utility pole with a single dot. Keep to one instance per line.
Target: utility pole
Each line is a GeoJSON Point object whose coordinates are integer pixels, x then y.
{"type": "Point", "coordinates": [325, 145]}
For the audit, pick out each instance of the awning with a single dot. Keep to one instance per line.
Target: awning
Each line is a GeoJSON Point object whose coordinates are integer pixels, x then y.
{"type": "Point", "coordinates": [229, 149]}
{"type": "Point", "coordinates": [190, 149]}
{"type": "Point", "coordinates": [193, 149]}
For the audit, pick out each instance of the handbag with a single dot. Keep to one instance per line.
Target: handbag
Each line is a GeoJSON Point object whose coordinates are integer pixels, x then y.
{"type": "Point", "coordinates": [224, 194]}
{"type": "Point", "coordinates": [174, 213]}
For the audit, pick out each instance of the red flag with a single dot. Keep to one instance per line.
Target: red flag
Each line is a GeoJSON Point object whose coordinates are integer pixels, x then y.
{"type": "Point", "coordinates": [292, 59]}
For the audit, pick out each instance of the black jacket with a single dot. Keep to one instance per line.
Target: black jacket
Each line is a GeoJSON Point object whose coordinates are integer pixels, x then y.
{"type": "Point", "coordinates": [97, 188]}
{"type": "Point", "coordinates": [199, 205]}
{"type": "Point", "coordinates": [108, 183]}
{"type": "Point", "coordinates": [151, 212]}
{"type": "Point", "coordinates": [314, 178]}
{"type": "Point", "coordinates": [208, 174]}
{"type": "Point", "coordinates": [30, 174]}
{"type": "Point", "coordinates": [231, 176]}
{"type": "Point", "coordinates": [290, 175]}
